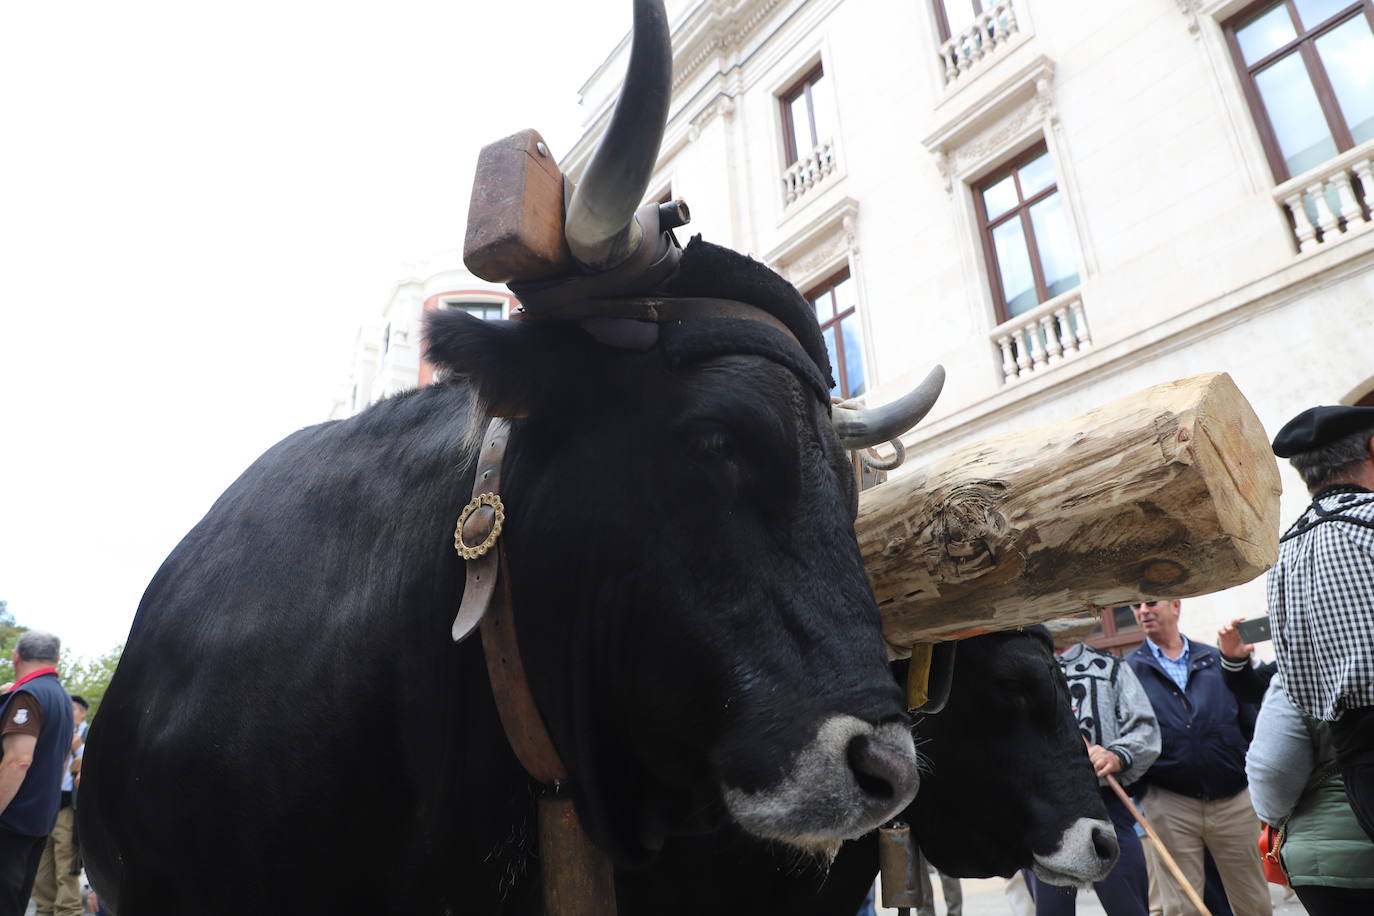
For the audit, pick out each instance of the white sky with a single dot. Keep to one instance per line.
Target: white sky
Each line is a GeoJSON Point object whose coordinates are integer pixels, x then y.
{"type": "Point", "coordinates": [198, 205]}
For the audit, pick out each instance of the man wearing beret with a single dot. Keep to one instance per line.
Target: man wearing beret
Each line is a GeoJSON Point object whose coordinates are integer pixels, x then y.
{"type": "Point", "coordinates": [1321, 591]}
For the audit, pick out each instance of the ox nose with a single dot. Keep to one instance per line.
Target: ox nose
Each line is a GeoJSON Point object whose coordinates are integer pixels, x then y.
{"type": "Point", "coordinates": [1105, 846]}
{"type": "Point", "coordinates": [885, 774]}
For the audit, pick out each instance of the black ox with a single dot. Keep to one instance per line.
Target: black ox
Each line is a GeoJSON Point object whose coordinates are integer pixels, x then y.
{"type": "Point", "coordinates": [1006, 784]}
{"type": "Point", "coordinates": [291, 726]}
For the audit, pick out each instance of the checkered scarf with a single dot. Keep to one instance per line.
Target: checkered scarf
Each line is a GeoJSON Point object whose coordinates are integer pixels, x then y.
{"type": "Point", "coordinates": [1321, 604]}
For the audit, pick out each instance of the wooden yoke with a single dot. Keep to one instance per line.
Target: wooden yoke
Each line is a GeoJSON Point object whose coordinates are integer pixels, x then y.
{"type": "Point", "coordinates": [515, 219]}
{"type": "Point", "coordinates": [1168, 493]}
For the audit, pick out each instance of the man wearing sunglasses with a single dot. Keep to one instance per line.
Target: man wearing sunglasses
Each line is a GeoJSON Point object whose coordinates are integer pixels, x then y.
{"type": "Point", "coordinates": [1197, 797]}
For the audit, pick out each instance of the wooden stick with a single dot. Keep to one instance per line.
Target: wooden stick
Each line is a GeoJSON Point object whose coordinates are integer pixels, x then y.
{"type": "Point", "coordinates": [1159, 846]}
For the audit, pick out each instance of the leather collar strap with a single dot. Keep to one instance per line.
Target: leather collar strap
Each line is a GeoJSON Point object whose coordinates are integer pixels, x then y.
{"type": "Point", "coordinates": [487, 603]}
{"type": "Point", "coordinates": [662, 309]}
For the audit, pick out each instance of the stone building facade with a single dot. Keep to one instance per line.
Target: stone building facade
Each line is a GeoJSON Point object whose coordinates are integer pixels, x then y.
{"type": "Point", "coordinates": [1061, 208]}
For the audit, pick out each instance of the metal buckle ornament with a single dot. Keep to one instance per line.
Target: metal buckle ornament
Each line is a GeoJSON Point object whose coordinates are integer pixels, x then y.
{"type": "Point", "coordinates": [497, 517]}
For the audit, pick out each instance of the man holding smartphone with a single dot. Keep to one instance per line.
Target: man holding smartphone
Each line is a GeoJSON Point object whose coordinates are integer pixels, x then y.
{"type": "Point", "coordinates": [1321, 591]}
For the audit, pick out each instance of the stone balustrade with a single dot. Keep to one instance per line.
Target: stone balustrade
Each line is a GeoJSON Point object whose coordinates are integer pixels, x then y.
{"type": "Point", "coordinates": [1051, 332]}
{"type": "Point", "coordinates": [989, 30]}
{"type": "Point", "coordinates": [807, 172]}
{"type": "Point", "coordinates": [1332, 201]}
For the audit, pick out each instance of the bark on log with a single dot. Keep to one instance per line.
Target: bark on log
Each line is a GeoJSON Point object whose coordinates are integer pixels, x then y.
{"type": "Point", "coordinates": [1168, 493]}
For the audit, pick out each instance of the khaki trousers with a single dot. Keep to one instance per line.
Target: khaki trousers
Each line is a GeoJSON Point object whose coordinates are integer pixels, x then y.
{"type": "Point", "coordinates": [1229, 829]}
{"type": "Point", "coordinates": [56, 892]}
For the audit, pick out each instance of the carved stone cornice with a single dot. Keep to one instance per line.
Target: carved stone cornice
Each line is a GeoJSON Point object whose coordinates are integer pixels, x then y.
{"type": "Point", "coordinates": [1007, 111]}
{"type": "Point", "coordinates": [816, 248]}
{"type": "Point", "coordinates": [715, 27]}
{"type": "Point", "coordinates": [722, 106]}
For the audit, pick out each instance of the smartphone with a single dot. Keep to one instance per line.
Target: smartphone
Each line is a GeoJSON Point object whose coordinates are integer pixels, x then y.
{"type": "Point", "coordinates": [1256, 629]}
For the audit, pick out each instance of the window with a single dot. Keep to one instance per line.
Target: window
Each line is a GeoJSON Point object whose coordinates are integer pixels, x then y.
{"type": "Point", "coordinates": [1026, 236]}
{"type": "Point", "coordinates": [806, 120]}
{"type": "Point", "coordinates": [953, 16]}
{"type": "Point", "coordinates": [487, 311]}
{"type": "Point", "coordinates": [1116, 631]}
{"type": "Point", "coordinates": [836, 305]}
{"type": "Point", "coordinates": [1308, 70]}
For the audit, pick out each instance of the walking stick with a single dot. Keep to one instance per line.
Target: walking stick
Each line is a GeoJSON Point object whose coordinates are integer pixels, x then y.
{"type": "Point", "coordinates": [1159, 846]}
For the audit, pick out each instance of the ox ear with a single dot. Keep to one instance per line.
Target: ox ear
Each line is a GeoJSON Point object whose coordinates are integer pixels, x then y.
{"type": "Point", "coordinates": [503, 360]}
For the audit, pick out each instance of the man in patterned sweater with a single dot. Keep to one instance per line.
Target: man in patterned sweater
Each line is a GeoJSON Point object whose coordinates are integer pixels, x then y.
{"type": "Point", "coordinates": [1321, 591]}
{"type": "Point", "coordinates": [1119, 725]}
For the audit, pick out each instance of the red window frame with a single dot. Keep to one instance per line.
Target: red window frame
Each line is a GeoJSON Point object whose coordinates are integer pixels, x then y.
{"type": "Point", "coordinates": [1305, 44]}
{"type": "Point", "coordinates": [942, 18]}
{"type": "Point", "coordinates": [828, 286]}
{"type": "Point", "coordinates": [802, 86]}
{"type": "Point", "coordinates": [1022, 212]}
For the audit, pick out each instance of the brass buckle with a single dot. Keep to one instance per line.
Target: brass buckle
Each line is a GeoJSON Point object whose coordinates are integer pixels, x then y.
{"type": "Point", "coordinates": [483, 499]}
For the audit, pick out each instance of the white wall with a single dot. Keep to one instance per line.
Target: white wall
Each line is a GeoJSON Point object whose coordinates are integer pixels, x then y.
{"type": "Point", "coordinates": [1188, 264]}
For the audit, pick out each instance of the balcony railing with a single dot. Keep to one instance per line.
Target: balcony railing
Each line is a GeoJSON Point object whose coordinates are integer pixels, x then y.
{"type": "Point", "coordinates": [1332, 201]}
{"type": "Point", "coordinates": [991, 29]}
{"type": "Point", "coordinates": [1050, 333]}
{"type": "Point", "coordinates": [807, 172]}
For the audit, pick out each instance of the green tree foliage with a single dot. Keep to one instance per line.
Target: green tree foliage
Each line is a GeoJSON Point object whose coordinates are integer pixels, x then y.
{"type": "Point", "coordinates": [9, 634]}
{"type": "Point", "coordinates": [86, 677]}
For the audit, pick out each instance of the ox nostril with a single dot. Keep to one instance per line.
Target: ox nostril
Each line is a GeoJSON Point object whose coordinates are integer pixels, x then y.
{"type": "Point", "coordinates": [881, 772]}
{"type": "Point", "coordinates": [1105, 845]}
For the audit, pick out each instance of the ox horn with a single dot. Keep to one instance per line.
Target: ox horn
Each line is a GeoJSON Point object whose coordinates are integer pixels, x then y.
{"type": "Point", "coordinates": [601, 229]}
{"type": "Point", "coordinates": [862, 428]}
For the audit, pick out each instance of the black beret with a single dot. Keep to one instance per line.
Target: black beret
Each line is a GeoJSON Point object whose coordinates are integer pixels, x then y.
{"type": "Point", "coordinates": [1320, 426]}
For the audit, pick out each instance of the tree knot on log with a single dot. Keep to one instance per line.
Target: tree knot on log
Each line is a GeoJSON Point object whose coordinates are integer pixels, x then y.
{"type": "Point", "coordinates": [967, 528]}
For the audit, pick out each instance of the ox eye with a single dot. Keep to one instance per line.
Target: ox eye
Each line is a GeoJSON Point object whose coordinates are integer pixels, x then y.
{"type": "Point", "coordinates": [716, 443]}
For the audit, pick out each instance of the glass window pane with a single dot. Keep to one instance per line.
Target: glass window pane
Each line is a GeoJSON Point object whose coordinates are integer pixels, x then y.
{"type": "Point", "coordinates": [853, 355]}
{"type": "Point", "coordinates": [1124, 618]}
{"type": "Point", "coordinates": [1013, 262]}
{"type": "Point", "coordinates": [825, 306]}
{"type": "Point", "coordinates": [1054, 241]}
{"type": "Point", "coordinates": [959, 14]}
{"type": "Point", "coordinates": [1347, 52]}
{"type": "Point", "coordinates": [1266, 34]}
{"type": "Point", "coordinates": [1036, 175]}
{"type": "Point", "coordinates": [829, 335]}
{"type": "Point", "coordinates": [845, 296]}
{"type": "Point", "coordinates": [820, 108]}
{"type": "Point", "coordinates": [1314, 12]}
{"type": "Point", "coordinates": [801, 128]}
{"type": "Point", "coordinates": [1299, 126]}
{"type": "Point", "coordinates": [1000, 198]}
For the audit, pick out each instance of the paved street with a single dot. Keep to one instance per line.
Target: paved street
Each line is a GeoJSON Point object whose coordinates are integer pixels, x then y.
{"type": "Point", "coordinates": [986, 897]}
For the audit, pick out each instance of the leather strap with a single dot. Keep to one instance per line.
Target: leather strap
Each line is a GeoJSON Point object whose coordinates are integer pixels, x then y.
{"type": "Point", "coordinates": [481, 572]}
{"type": "Point", "coordinates": [487, 604]}
{"type": "Point", "coordinates": [514, 702]}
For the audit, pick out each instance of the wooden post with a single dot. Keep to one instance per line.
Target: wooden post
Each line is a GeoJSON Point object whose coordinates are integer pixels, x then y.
{"type": "Point", "coordinates": [1167, 493]}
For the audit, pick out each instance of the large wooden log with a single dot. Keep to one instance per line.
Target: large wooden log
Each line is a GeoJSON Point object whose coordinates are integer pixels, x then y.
{"type": "Point", "coordinates": [1168, 493]}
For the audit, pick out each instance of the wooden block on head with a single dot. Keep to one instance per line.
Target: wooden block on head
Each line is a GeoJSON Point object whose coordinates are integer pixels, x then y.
{"type": "Point", "coordinates": [515, 219]}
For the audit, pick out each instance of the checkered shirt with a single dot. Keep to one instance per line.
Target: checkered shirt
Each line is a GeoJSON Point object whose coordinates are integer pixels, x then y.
{"type": "Point", "coordinates": [1321, 604]}
{"type": "Point", "coordinates": [1176, 668]}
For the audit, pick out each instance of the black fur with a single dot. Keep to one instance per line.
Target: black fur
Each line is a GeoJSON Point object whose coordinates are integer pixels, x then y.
{"type": "Point", "coordinates": [1006, 773]}
{"type": "Point", "coordinates": [291, 728]}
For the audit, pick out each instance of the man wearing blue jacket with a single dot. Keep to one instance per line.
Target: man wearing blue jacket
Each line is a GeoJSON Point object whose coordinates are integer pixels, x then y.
{"type": "Point", "coordinates": [1197, 796]}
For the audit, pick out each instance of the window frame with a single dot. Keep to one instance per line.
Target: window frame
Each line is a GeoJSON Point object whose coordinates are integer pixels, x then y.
{"type": "Point", "coordinates": [1117, 642]}
{"type": "Point", "coordinates": [827, 285]}
{"type": "Point", "coordinates": [1021, 211]}
{"type": "Point", "coordinates": [800, 86]}
{"type": "Point", "coordinates": [942, 17]}
{"type": "Point", "coordinates": [1305, 45]}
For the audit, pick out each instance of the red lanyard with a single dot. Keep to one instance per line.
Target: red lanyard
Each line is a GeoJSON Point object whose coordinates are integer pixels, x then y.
{"type": "Point", "coordinates": [30, 676]}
